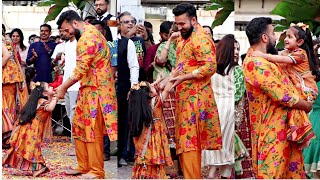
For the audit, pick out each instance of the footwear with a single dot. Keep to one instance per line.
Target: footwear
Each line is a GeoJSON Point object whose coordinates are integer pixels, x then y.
{"type": "Point", "coordinates": [71, 153]}
{"type": "Point", "coordinates": [37, 173]}
{"type": "Point", "coordinates": [106, 157]}
{"type": "Point", "coordinates": [123, 162]}
{"type": "Point", "coordinates": [73, 172]}
{"type": "Point", "coordinates": [88, 176]}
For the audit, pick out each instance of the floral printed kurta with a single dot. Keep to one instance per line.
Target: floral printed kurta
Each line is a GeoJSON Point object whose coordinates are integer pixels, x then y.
{"type": "Point", "coordinates": [270, 95]}
{"type": "Point", "coordinates": [97, 86]}
{"type": "Point", "coordinates": [25, 153]}
{"type": "Point", "coordinates": [197, 115]}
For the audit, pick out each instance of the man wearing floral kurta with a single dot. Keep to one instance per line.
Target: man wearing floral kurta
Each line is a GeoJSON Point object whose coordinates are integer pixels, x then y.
{"type": "Point", "coordinates": [197, 125]}
{"type": "Point", "coordinates": [271, 96]}
{"type": "Point", "coordinates": [96, 111]}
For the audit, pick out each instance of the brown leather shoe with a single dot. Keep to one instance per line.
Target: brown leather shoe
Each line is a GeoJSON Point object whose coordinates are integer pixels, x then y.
{"type": "Point", "coordinates": [73, 172]}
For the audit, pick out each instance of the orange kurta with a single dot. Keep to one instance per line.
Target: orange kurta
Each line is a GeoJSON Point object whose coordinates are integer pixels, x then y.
{"type": "Point", "coordinates": [25, 152]}
{"type": "Point", "coordinates": [196, 110]}
{"type": "Point", "coordinates": [270, 95]}
{"type": "Point", "coordinates": [152, 148]}
{"type": "Point", "coordinates": [97, 86]}
{"type": "Point", "coordinates": [13, 97]}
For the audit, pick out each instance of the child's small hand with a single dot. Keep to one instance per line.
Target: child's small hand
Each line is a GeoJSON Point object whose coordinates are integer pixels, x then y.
{"type": "Point", "coordinates": [176, 72]}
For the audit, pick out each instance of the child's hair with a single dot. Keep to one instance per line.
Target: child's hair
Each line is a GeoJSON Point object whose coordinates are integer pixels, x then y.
{"type": "Point", "coordinates": [140, 111]}
{"type": "Point", "coordinates": [308, 47]}
{"type": "Point", "coordinates": [30, 73]}
{"type": "Point", "coordinates": [28, 112]}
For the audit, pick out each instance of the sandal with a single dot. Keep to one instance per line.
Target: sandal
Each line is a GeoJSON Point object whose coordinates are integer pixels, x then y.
{"type": "Point", "coordinates": [37, 173]}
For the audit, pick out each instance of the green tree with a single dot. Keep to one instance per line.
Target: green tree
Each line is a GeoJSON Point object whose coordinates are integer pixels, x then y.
{"type": "Point", "coordinates": [225, 8]}
{"type": "Point", "coordinates": [58, 5]}
{"type": "Point", "coordinates": [295, 11]}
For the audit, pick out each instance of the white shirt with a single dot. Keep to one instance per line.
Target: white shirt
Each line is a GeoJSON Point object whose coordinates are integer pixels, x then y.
{"type": "Point", "coordinates": [70, 63]}
{"type": "Point", "coordinates": [58, 49]}
{"type": "Point", "coordinates": [133, 63]}
{"type": "Point", "coordinates": [114, 30]}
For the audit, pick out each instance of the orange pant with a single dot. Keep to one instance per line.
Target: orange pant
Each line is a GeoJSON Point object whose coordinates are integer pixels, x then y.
{"type": "Point", "coordinates": [90, 154]}
{"type": "Point", "coordinates": [191, 164]}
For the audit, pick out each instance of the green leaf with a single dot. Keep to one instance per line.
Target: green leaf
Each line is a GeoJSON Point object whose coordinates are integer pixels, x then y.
{"type": "Point", "coordinates": [280, 45]}
{"type": "Point", "coordinates": [280, 28]}
{"type": "Point", "coordinates": [317, 31]}
{"type": "Point", "coordinates": [282, 9]}
{"type": "Point", "coordinates": [63, 3]}
{"type": "Point", "coordinates": [53, 12]}
{"type": "Point", "coordinates": [220, 17]}
{"type": "Point", "coordinates": [82, 5]}
{"type": "Point", "coordinates": [46, 3]}
{"type": "Point", "coordinates": [213, 7]}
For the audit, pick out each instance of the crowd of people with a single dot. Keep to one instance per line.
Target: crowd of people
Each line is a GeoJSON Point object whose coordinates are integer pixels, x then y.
{"type": "Point", "coordinates": [185, 99]}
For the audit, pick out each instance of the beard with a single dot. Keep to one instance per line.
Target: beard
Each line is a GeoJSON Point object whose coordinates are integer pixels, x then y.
{"type": "Point", "coordinates": [99, 12]}
{"type": "Point", "coordinates": [186, 35]}
{"type": "Point", "coordinates": [271, 49]}
{"type": "Point", "coordinates": [77, 34]}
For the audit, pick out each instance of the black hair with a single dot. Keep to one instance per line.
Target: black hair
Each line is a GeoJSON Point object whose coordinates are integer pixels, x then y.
{"type": "Point", "coordinates": [22, 46]}
{"type": "Point", "coordinates": [165, 26]}
{"type": "Point", "coordinates": [28, 112]}
{"type": "Point", "coordinates": [107, 34]}
{"type": "Point", "coordinates": [30, 72]}
{"type": "Point", "coordinates": [147, 24]}
{"type": "Point", "coordinates": [225, 54]}
{"type": "Point", "coordinates": [90, 18]}
{"type": "Point", "coordinates": [46, 25]}
{"type": "Point", "coordinates": [256, 27]}
{"type": "Point", "coordinates": [150, 36]}
{"type": "Point", "coordinates": [211, 31]}
{"type": "Point", "coordinates": [308, 47]}
{"type": "Point", "coordinates": [68, 16]}
{"type": "Point", "coordinates": [3, 29]}
{"type": "Point", "coordinates": [125, 13]}
{"type": "Point", "coordinates": [185, 8]}
{"type": "Point", "coordinates": [107, 1]}
{"type": "Point", "coordinates": [140, 111]}
{"type": "Point", "coordinates": [32, 36]}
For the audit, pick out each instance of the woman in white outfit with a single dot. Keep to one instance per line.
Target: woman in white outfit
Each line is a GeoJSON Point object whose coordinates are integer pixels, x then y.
{"type": "Point", "coordinates": [223, 87]}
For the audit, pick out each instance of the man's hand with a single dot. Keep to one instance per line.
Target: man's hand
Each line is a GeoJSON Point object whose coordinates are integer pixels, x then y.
{"type": "Point", "coordinates": [35, 55]}
{"type": "Point", "coordinates": [60, 92]}
{"type": "Point", "coordinates": [177, 80]}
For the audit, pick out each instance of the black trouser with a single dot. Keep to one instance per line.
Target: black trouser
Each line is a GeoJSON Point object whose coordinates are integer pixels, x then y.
{"type": "Point", "coordinates": [123, 124]}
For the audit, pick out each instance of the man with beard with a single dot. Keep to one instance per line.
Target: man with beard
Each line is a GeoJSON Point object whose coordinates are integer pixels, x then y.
{"type": "Point", "coordinates": [271, 96]}
{"type": "Point", "coordinates": [197, 121]}
{"type": "Point", "coordinates": [103, 15]}
{"type": "Point", "coordinates": [70, 64]}
{"type": "Point", "coordinates": [40, 53]}
{"type": "Point", "coordinates": [96, 110]}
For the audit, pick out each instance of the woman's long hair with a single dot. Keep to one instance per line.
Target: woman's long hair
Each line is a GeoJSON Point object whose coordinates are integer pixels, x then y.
{"type": "Point", "coordinates": [140, 111]}
{"type": "Point", "coordinates": [22, 46]}
{"type": "Point", "coordinates": [308, 47]}
{"type": "Point", "coordinates": [225, 54]}
{"type": "Point", "coordinates": [28, 112]}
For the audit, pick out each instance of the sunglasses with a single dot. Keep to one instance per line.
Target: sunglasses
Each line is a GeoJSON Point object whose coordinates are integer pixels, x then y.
{"type": "Point", "coordinates": [127, 22]}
